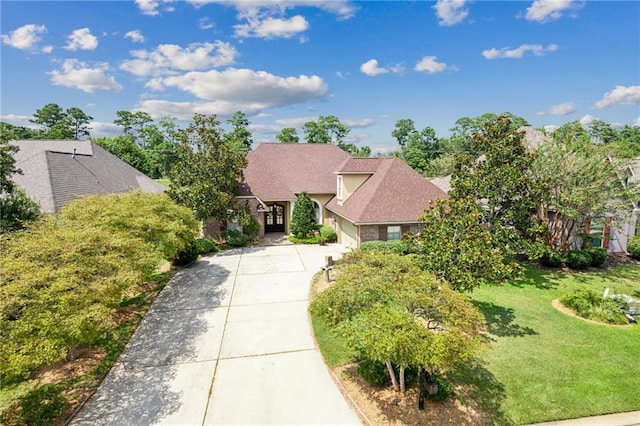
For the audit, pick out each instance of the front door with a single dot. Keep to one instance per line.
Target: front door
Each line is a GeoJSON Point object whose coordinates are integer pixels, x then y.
{"type": "Point", "coordinates": [274, 219]}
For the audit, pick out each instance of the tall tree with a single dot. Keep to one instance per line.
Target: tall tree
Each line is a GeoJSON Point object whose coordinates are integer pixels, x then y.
{"type": "Point", "coordinates": [125, 148]}
{"type": "Point", "coordinates": [240, 137]}
{"type": "Point", "coordinates": [288, 135]}
{"type": "Point", "coordinates": [576, 179]}
{"type": "Point", "coordinates": [326, 129]}
{"type": "Point", "coordinates": [465, 127]}
{"type": "Point", "coordinates": [602, 132]}
{"type": "Point", "coordinates": [133, 123]}
{"type": "Point", "coordinates": [79, 122]}
{"type": "Point", "coordinates": [207, 171]}
{"type": "Point", "coordinates": [48, 116]}
{"type": "Point", "coordinates": [11, 131]}
{"type": "Point", "coordinates": [498, 176]}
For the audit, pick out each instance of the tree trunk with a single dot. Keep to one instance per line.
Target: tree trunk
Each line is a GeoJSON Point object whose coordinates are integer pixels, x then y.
{"type": "Point", "coordinates": [392, 374]}
{"type": "Point", "coordinates": [402, 386]}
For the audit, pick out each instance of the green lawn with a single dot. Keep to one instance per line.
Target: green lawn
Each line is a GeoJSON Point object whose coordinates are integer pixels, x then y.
{"type": "Point", "coordinates": [544, 365]}
{"type": "Point", "coordinates": [541, 364]}
{"type": "Point", "coordinates": [164, 182]}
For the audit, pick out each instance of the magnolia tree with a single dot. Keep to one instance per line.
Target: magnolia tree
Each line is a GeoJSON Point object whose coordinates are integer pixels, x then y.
{"type": "Point", "coordinates": [390, 310]}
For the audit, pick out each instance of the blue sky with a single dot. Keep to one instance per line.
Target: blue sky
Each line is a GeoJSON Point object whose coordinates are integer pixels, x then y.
{"type": "Point", "coordinates": [287, 62]}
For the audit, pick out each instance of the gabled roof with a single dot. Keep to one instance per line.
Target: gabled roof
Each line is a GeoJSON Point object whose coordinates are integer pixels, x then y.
{"type": "Point", "coordinates": [394, 193]}
{"type": "Point", "coordinates": [278, 171]}
{"type": "Point", "coordinates": [55, 172]}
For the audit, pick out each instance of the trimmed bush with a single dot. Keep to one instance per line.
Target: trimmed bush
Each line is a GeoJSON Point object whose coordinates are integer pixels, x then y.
{"type": "Point", "coordinates": [303, 219]}
{"type": "Point", "coordinates": [633, 246]}
{"type": "Point", "coordinates": [578, 259]}
{"type": "Point", "coordinates": [328, 233]}
{"type": "Point", "coordinates": [206, 245]}
{"type": "Point", "coordinates": [551, 259]}
{"type": "Point", "coordinates": [598, 255]}
{"type": "Point", "coordinates": [186, 256]}
{"type": "Point", "coordinates": [234, 237]}
{"type": "Point", "coordinates": [589, 304]}
{"type": "Point", "coordinates": [393, 246]}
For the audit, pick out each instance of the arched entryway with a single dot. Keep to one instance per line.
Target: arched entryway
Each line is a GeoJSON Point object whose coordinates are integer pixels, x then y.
{"type": "Point", "coordinates": [274, 219]}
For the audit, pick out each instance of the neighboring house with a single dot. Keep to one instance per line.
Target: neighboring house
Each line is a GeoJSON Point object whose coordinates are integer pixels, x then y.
{"type": "Point", "coordinates": [57, 171]}
{"type": "Point", "coordinates": [363, 199]}
{"type": "Point", "coordinates": [604, 231]}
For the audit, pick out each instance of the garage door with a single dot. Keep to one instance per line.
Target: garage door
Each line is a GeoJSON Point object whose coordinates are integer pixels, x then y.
{"type": "Point", "coordinates": [348, 233]}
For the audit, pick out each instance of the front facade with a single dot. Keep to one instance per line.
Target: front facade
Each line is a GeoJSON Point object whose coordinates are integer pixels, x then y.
{"type": "Point", "coordinates": [363, 199]}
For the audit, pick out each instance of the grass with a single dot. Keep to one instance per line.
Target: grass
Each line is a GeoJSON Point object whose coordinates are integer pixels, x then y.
{"type": "Point", "coordinates": [550, 365]}
{"type": "Point", "coordinates": [164, 182]}
{"type": "Point", "coordinates": [541, 364]}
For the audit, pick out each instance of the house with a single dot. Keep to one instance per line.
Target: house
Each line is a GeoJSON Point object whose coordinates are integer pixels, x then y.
{"type": "Point", "coordinates": [363, 199]}
{"type": "Point", "coordinates": [57, 171]}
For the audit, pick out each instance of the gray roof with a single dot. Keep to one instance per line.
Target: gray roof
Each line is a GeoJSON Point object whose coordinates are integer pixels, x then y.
{"type": "Point", "coordinates": [55, 171]}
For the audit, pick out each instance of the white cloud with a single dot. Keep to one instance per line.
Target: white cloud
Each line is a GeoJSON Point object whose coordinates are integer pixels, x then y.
{"type": "Point", "coordinates": [15, 118]}
{"type": "Point", "coordinates": [272, 27]}
{"type": "Point", "coordinates": [254, 90]}
{"type": "Point", "coordinates": [637, 122]}
{"type": "Point", "coordinates": [560, 109]}
{"type": "Point", "coordinates": [586, 120]}
{"type": "Point", "coordinates": [25, 37]}
{"type": "Point", "coordinates": [168, 58]}
{"type": "Point", "coordinates": [342, 8]}
{"type": "Point", "coordinates": [451, 12]}
{"type": "Point", "coordinates": [81, 39]}
{"type": "Point", "coordinates": [79, 75]}
{"type": "Point", "coordinates": [264, 129]}
{"type": "Point", "coordinates": [430, 65]}
{"type": "Point", "coordinates": [621, 95]}
{"type": "Point", "coordinates": [550, 128]}
{"type": "Point", "coordinates": [550, 10]}
{"type": "Point", "coordinates": [297, 122]}
{"type": "Point", "coordinates": [372, 69]}
{"type": "Point", "coordinates": [361, 123]}
{"type": "Point", "coordinates": [205, 23]}
{"type": "Point", "coordinates": [517, 53]}
{"type": "Point", "coordinates": [135, 36]}
{"type": "Point", "coordinates": [101, 129]}
{"type": "Point", "coordinates": [150, 7]}
{"type": "Point", "coordinates": [47, 49]}
{"type": "Point", "coordinates": [184, 111]}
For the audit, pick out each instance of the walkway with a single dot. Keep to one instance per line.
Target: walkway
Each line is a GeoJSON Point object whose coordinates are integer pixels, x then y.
{"type": "Point", "coordinates": [228, 341]}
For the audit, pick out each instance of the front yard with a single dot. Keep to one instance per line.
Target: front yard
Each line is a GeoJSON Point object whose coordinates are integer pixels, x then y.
{"type": "Point", "coordinates": [542, 364]}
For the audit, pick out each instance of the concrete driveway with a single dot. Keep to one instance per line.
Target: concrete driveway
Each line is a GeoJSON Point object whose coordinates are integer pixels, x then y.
{"type": "Point", "coordinates": [228, 341]}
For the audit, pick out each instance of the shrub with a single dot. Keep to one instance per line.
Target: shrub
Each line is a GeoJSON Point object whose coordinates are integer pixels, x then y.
{"type": "Point", "coordinates": [303, 219]}
{"type": "Point", "coordinates": [234, 237]}
{"type": "Point", "coordinates": [633, 246]}
{"type": "Point", "coordinates": [206, 245]}
{"type": "Point", "coordinates": [578, 259]}
{"type": "Point", "coordinates": [187, 255]}
{"type": "Point", "coordinates": [328, 233]}
{"type": "Point", "coordinates": [251, 227]}
{"type": "Point", "coordinates": [586, 303]}
{"type": "Point", "coordinates": [445, 390]}
{"type": "Point", "coordinates": [551, 259]}
{"type": "Point", "coordinates": [316, 239]}
{"type": "Point", "coordinates": [374, 372]}
{"type": "Point", "coordinates": [393, 246]}
{"type": "Point", "coordinates": [598, 255]}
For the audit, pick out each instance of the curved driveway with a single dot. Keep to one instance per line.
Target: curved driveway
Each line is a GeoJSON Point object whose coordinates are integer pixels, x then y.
{"type": "Point", "coordinates": [226, 342]}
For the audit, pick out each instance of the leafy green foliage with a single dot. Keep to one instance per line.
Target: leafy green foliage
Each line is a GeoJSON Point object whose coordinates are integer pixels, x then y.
{"type": "Point", "coordinates": [457, 248]}
{"type": "Point", "coordinates": [240, 137]}
{"type": "Point", "coordinates": [303, 220]}
{"type": "Point", "coordinates": [389, 310]}
{"type": "Point", "coordinates": [598, 255]}
{"type": "Point", "coordinates": [64, 275]}
{"type": "Point", "coordinates": [235, 238]}
{"type": "Point", "coordinates": [59, 124]}
{"type": "Point", "coordinates": [633, 246]}
{"type": "Point", "coordinates": [551, 259]}
{"type": "Point", "coordinates": [206, 245]}
{"type": "Point", "coordinates": [591, 305]}
{"type": "Point", "coordinates": [205, 176]}
{"type": "Point", "coordinates": [7, 165]}
{"type": "Point", "coordinates": [393, 246]}
{"type": "Point", "coordinates": [578, 259]}
{"type": "Point", "coordinates": [374, 372]}
{"type": "Point", "coordinates": [17, 209]}
{"type": "Point", "coordinates": [126, 149]}
{"type": "Point", "coordinates": [500, 180]}
{"type": "Point", "coordinates": [329, 129]}
{"type": "Point", "coordinates": [328, 233]}
{"type": "Point", "coordinates": [445, 390]}
{"type": "Point", "coordinates": [187, 255]}
{"type": "Point", "coordinates": [288, 135]}
{"type": "Point", "coordinates": [38, 407]}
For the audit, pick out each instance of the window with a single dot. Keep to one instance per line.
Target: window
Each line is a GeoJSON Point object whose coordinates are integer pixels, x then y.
{"type": "Point", "coordinates": [394, 233]}
{"type": "Point", "coordinates": [339, 189]}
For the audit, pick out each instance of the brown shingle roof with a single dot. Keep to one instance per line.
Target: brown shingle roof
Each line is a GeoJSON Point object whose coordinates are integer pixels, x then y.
{"type": "Point", "coordinates": [280, 171]}
{"type": "Point", "coordinates": [395, 193]}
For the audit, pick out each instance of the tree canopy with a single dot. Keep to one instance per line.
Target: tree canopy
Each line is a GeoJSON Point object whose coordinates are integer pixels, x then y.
{"type": "Point", "coordinates": [288, 135]}
{"type": "Point", "coordinates": [56, 123]}
{"type": "Point", "coordinates": [207, 170]}
{"type": "Point", "coordinates": [240, 137]}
